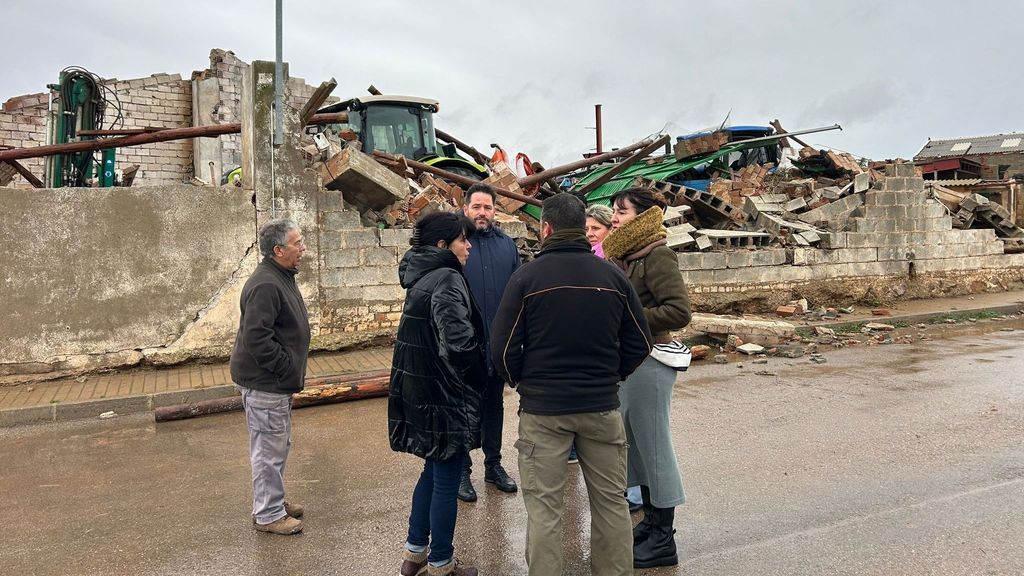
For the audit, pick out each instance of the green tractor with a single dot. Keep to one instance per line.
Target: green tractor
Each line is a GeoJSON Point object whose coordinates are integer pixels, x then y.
{"type": "Point", "coordinates": [401, 125]}
{"type": "Point", "coordinates": [396, 125]}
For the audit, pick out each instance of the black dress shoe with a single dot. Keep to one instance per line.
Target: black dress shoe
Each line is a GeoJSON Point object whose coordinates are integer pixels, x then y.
{"type": "Point", "coordinates": [502, 481]}
{"type": "Point", "coordinates": [466, 491]}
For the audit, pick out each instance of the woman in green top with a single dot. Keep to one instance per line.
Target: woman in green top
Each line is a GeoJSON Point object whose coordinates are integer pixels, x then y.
{"type": "Point", "coordinates": [637, 244]}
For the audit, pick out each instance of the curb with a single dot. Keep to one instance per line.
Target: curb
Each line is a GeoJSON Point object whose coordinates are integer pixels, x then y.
{"type": "Point", "coordinates": [125, 405]}
{"type": "Point", "coordinates": [1015, 308]}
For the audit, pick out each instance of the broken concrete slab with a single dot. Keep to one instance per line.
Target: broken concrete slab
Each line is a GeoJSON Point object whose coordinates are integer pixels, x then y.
{"type": "Point", "coordinates": [758, 331]}
{"type": "Point", "coordinates": [363, 181]}
{"type": "Point", "coordinates": [750, 349]}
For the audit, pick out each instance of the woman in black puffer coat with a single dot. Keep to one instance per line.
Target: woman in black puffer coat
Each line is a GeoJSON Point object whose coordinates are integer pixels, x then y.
{"type": "Point", "coordinates": [437, 378]}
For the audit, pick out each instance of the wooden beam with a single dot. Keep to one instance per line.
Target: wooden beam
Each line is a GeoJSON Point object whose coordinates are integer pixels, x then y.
{"type": "Point", "coordinates": [26, 174]}
{"type": "Point", "coordinates": [783, 141]}
{"type": "Point", "coordinates": [317, 100]}
{"type": "Point", "coordinates": [622, 166]}
{"type": "Point", "coordinates": [384, 157]}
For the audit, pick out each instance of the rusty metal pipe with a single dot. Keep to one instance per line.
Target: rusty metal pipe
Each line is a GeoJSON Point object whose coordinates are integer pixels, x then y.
{"type": "Point", "coordinates": [567, 168]}
{"type": "Point", "coordinates": [597, 124]}
{"type": "Point", "coordinates": [147, 138]}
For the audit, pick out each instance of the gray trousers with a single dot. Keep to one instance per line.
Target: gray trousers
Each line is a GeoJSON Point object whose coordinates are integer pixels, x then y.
{"type": "Point", "coordinates": [269, 419]}
{"type": "Point", "coordinates": [646, 402]}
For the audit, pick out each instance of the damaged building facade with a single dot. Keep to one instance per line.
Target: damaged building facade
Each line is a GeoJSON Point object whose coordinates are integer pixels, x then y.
{"type": "Point", "coordinates": [102, 278]}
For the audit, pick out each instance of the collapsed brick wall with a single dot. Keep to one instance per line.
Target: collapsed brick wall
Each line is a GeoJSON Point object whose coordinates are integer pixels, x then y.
{"type": "Point", "coordinates": [23, 125]}
{"type": "Point", "coordinates": [229, 70]}
{"type": "Point", "coordinates": [899, 245]}
{"type": "Point", "coordinates": [159, 100]}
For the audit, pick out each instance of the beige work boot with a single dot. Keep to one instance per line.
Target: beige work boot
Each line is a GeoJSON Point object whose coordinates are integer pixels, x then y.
{"type": "Point", "coordinates": [453, 568]}
{"type": "Point", "coordinates": [293, 510]}
{"type": "Point", "coordinates": [414, 563]}
{"type": "Point", "coordinates": [285, 526]}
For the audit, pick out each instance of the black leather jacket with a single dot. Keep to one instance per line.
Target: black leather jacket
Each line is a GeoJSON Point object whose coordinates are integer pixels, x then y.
{"type": "Point", "coordinates": [437, 371]}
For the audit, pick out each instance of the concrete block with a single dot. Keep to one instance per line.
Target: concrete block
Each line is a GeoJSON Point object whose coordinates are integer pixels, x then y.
{"type": "Point", "coordinates": [363, 238]}
{"type": "Point", "coordinates": [703, 242]}
{"type": "Point", "coordinates": [398, 237]}
{"type": "Point", "coordinates": [875, 239]}
{"type": "Point", "coordinates": [714, 260]}
{"type": "Point", "coordinates": [346, 294]}
{"type": "Point", "coordinates": [344, 258]}
{"type": "Point", "coordinates": [697, 276]}
{"type": "Point", "coordinates": [861, 182]}
{"type": "Point", "coordinates": [811, 256]}
{"type": "Point", "coordinates": [769, 257]}
{"type": "Point", "coordinates": [377, 256]}
{"type": "Point", "coordinates": [903, 170]}
{"type": "Point", "coordinates": [360, 276]}
{"type": "Point", "coordinates": [691, 261]}
{"type": "Point", "coordinates": [363, 181]}
{"type": "Point", "coordinates": [833, 240]}
{"type": "Point", "coordinates": [344, 220]}
{"type": "Point", "coordinates": [331, 201]}
{"type": "Point", "coordinates": [389, 293]}
{"type": "Point", "coordinates": [738, 259]}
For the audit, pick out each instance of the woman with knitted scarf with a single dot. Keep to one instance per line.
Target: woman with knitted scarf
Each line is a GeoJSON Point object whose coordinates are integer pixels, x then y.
{"type": "Point", "coordinates": [637, 245]}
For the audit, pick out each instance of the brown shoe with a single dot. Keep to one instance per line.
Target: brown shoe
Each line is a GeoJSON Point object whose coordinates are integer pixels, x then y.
{"type": "Point", "coordinates": [285, 526]}
{"type": "Point", "coordinates": [414, 563]}
{"type": "Point", "coordinates": [294, 510]}
{"type": "Point", "coordinates": [453, 568]}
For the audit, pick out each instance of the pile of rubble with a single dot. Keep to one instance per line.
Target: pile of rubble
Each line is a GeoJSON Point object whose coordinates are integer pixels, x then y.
{"type": "Point", "coordinates": [797, 203]}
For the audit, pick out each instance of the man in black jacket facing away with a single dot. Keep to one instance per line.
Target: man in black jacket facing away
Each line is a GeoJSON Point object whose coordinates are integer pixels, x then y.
{"type": "Point", "coordinates": [569, 328]}
{"type": "Point", "coordinates": [268, 364]}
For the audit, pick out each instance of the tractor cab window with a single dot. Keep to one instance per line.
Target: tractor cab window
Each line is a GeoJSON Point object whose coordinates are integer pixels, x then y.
{"type": "Point", "coordinates": [397, 130]}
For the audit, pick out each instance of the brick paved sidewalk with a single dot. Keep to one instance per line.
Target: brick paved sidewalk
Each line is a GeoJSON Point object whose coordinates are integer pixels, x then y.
{"type": "Point", "coordinates": [146, 389]}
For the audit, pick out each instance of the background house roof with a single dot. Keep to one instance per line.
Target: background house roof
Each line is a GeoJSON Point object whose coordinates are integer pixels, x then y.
{"type": "Point", "coordinates": [995, 144]}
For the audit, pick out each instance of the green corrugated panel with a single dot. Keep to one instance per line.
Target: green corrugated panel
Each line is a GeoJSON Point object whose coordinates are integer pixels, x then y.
{"type": "Point", "coordinates": [657, 172]}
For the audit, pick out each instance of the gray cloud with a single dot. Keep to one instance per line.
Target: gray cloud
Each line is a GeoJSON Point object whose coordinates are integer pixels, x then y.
{"type": "Point", "coordinates": [528, 74]}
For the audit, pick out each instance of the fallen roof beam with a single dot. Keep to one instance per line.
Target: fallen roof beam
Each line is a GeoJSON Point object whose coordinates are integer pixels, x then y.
{"type": "Point", "coordinates": [384, 157]}
{"type": "Point", "coordinates": [621, 166]}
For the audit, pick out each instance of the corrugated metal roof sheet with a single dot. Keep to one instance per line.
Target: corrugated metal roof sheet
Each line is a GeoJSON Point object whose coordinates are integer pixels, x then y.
{"type": "Point", "coordinates": [995, 144]}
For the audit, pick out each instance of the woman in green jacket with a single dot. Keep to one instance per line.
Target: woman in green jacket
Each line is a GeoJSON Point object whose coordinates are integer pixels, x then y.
{"type": "Point", "coordinates": [637, 244]}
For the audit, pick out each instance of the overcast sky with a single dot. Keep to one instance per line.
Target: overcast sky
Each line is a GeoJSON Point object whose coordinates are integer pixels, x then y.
{"type": "Point", "coordinates": [527, 74]}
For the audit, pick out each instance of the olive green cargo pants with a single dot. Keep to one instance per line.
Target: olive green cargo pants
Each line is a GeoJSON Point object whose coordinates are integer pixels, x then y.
{"type": "Point", "coordinates": [543, 446]}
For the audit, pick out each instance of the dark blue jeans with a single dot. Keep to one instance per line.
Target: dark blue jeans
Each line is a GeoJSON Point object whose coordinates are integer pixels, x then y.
{"type": "Point", "coordinates": [434, 507]}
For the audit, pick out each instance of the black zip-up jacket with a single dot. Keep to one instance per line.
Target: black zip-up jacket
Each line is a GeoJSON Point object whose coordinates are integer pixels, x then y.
{"type": "Point", "coordinates": [569, 328]}
{"type": "Point", "coordinates": [437, 370]}
{"type": "Point", "coordinates": [273, 333]}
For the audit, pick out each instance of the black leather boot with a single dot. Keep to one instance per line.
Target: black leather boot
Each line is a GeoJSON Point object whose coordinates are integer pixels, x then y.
{"type": "Point", "coordinates": [643, 529]}
{"type": "Point", "coordinates": [466, 491]}
{"type": "Point", "coordinates": [659, 549]}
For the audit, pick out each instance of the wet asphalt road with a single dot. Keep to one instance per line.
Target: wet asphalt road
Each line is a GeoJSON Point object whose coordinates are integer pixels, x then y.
{"type": "Point", "coordinates": [899, 459]}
